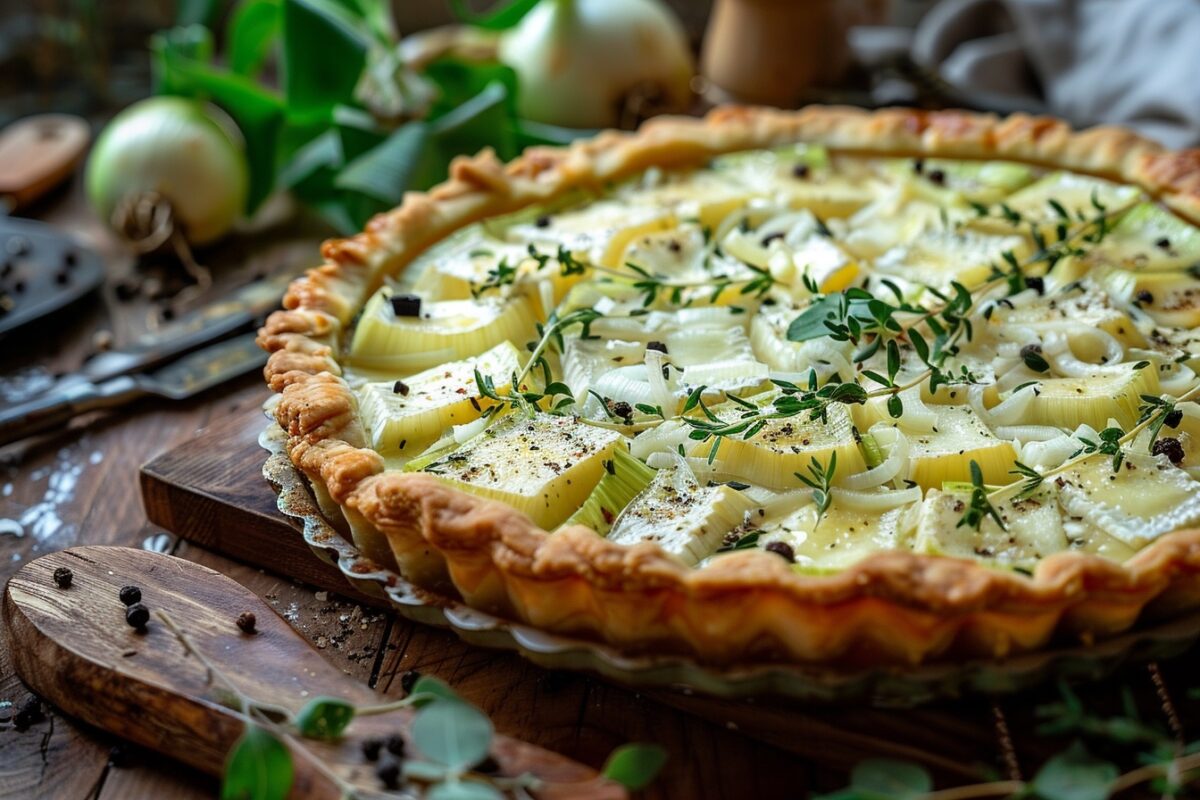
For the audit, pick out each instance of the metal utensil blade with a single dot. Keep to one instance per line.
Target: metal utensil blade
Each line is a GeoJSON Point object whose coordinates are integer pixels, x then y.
{"type": "Point", "coordinates": [205, 368]}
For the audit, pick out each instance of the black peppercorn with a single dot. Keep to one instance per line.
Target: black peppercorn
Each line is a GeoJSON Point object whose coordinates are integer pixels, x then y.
{"type": "Point", "coordinates": [800, 171]}
{"type": "Point", "coordinates": [622, 409]}
{"type": "Point", "coordinates": [137, 615]}
{"type": "Point", "coordinates": [371, 748]}
{"type": "Point", "coordinates": [1037, 284]}
{"type": "Point", "coordinates": [918, 165]}
{"type": "Point", "coordinates": [400, 388]}
{"type": "Point", "coordinates": [659, 346]}
{"type": "Point", "coordinates": [395, 744]}
{"type": "Point", "coordinates": [30, 713]}
{"type": "Point", "coordinates": [542, 222]}
{"type": "Point", "coordinates": [63, 577]}
{"type": "Point", "coordinates": [1170, 447]}
{"type": "Point", "coordinates": [937, 177]}
{"type": "Point", "coordinates": [246, 621]}
{"type": "Point", "coordinates": [1144, 297]}
{"type": "Point", "coordinates": [130, 595]}
{"type": "Point", "coordinates": [408, 680]}
{"type": "Point", "coordinates": [783, 550]}
{"type": "Point", "coordinates": [1163, 244]}
{"type": "Point", "coordinates": [62, 278]}
{"type": "Point", "coordinates": [1173, 419]}
{"type": "Point", "coordinates": [389, 775]}
{"type": "Point", "coordinates": [405, 305]}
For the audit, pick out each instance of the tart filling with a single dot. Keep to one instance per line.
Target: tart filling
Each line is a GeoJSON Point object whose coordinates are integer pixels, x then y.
{"type": "Point", "coordinates": [890, 395]}
{"type": "Point", "coordinates": [822, 356]}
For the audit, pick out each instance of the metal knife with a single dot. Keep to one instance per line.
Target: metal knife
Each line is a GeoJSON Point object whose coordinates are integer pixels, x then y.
{"type": "Point", "coordinates": [242, 309]}
{"type": "Point", "coordinates": [182, 378]}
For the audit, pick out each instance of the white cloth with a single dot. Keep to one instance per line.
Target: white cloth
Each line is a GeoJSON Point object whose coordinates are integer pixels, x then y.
{"type": "Point", "coordinates": [1130, 62]}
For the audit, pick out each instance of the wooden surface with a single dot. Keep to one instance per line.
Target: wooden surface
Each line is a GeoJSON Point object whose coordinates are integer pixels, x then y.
{"type": "Point", "coordinates": [72, 646]}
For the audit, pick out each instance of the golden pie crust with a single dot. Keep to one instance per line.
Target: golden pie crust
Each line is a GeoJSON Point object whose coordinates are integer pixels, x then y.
{"type": "Point", "coordinates": [749, 606]}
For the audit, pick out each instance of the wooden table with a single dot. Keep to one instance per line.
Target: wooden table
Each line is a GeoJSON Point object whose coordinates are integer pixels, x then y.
{"type": "Point", "coordinates": [81, 487]}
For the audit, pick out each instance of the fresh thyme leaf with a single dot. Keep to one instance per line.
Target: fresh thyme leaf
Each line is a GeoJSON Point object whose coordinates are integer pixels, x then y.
{"type": "Point", "coordinates": [979, 507]}
{"type": "Point", "coordinates": [820, 480]}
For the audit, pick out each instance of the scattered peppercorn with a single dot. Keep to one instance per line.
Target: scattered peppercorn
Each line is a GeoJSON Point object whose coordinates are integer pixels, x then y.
{"type": "Point", "coordinates": [659, 346]}
{"type": "Point", "coordinates": [1173, 419]}
{"type": "Point", "coordinates": [246, 621]}
{"type": "Point", "coordinates": [406, 305]}
{"type": "Point", "coordinates": [622, 409]}
{"type": "Point", "coordinates": [937, 177]}
{"type": "Point", "coordinates": [389, 775]}
{"type": "Point", "coordinates": [395, 744]}
{"type": "Point", "coordinates": [1037, 284]}
{"type": "Point", "coordinates": [800, 171]}
{"type": "Point", "coordinates": [542, 221]}
{"type": "Point", "coordinates": [371, 748]}
{"type": "Point", "coordinates": [63, 577]}
{"type": "Point", "coordinates": [69, 258]}
{"type": "Point", "coordinates": [167, 314]}
{"type": "Point", "coordinates": [918, 165]}
{"type": "Point", "coordinates": [1170, 447]}
{"type": "Point", "coordinates": [489, 766]}
{"type": "Point", "coordinates": [130, 595]}
{"type": "Point", "coordinates": [783, 550]}
{"type": "Point", "coordinates": [1144, 297]}
{"type": "Point", "coordinates": [1163, 244]}
{"type": "Point", "coordinates": [137, 615]}
{"type": "Point", "coordinates": [408, 680]}
{"type": "Point", "coordinates": [30, 713]}
{"type": "Point", "coordinates": [62, 278]}
{"type": "Point", "coordinates": [400, 388]}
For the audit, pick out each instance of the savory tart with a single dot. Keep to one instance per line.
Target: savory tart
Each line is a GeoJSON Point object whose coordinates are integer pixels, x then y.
{"type": "Point", "coordinates": [826, 385]}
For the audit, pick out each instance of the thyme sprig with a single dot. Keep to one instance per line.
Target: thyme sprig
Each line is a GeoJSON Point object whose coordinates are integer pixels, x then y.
{"type": "Point", "coordinates": [979, 506]}
{"type": "Point", "coordinates": [820, 480]}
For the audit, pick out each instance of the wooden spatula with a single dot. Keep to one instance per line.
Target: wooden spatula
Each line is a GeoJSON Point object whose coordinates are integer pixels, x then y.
{"type": "Point", "coordinates": [38, 153]}
{"type": "Point", "coordinates": [73, 647]}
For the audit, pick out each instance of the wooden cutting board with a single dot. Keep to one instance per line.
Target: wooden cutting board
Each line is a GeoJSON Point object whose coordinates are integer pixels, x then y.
{"type": "Point", "coordinates": [72, 646]}
{"type": "Point", "coordinates": [211, 492]}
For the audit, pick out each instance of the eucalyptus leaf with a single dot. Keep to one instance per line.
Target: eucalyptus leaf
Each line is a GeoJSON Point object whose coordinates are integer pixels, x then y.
{"type": "Point", "coordinates": [324, 718]}
{"type": "Point", "coordinates": [452, 733]}
{"type": "Point", "coordinates": [428, 688]}
{"type": "Point", "coordinates": [259, 767]}
{"type": "Point", "coordinates": [463, 790]}
{"type": "Point", "coordinates": [1074, 774]}
{"type": "Point", "coordinates": [424, 771]}
{"type": "Point", "coordinates": [890, 778]}
{"type": "Point", "coordinates": [634, 765]}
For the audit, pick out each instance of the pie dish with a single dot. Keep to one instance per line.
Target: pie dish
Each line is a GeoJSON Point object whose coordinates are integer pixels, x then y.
{"type": "Point", "coordinates": [826, 386]}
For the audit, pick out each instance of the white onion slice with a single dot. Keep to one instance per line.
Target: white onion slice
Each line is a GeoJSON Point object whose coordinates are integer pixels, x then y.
{"type": "Point", "coordinates": [1008, 412]}
{"type": "Point", "coordinates": [1028, 433]}
{"type": "Point", "coordinates": [877, 501]}
{"type": "Point", "coordinates": [889, 468]}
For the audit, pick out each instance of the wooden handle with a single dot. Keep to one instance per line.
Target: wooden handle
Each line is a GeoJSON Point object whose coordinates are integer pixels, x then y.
{"type": "Point", "coordinates": [73, 647]}
{"type": "Point", "coordinates": [38, 153]}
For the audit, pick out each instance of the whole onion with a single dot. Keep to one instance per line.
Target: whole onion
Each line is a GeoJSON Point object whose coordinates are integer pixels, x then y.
{"type": "Point", "coordinates": [585, 63]}
{"type": "Point", "coordinates": [184, 154]}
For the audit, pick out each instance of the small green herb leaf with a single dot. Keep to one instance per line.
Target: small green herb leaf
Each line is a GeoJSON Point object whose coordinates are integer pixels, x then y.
{"type": "Point", "coordinates": [885, 777]}
{"type": "Point", "coordinates": [1074, 775]}
{"type": "Point", "coordinates": [427, 689]}
{"type": "Point", "coordinates": [259, 767]}
{"type": "Point", "coordinates": [452, 733]}
{"type": "Point", "coordinates": [634, 765]}
{"type": "Point", "coordinates": [324, 718]}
